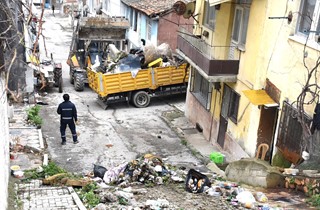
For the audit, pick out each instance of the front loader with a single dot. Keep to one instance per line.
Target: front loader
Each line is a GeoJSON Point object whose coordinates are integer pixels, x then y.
{"type": "Point", "coordinates": [89, 44]}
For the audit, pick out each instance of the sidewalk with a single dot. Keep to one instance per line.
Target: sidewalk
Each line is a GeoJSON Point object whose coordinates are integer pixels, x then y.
{"type": "Point", "coordinates": [194, 138]}
{"type": "Point", "coordinates": [29, 153]}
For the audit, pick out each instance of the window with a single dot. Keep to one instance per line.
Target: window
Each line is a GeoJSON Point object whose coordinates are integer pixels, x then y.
{"type": "Point", "coordinates": [230, 104]}
{"type": "Point", "coordinates": [200, 88]}
{"type": "Point", "coordinates": [240, 22]}
{"type": "Point", "coordinates": [309, 19]}
{"type": "Point", "coordinates": [149, 29]}
{"type": "Point", "coordinates": [131, 17]}
{"type": "Point", "coordinates": [209, 15]}
{"type": "Point", "coordinates": [135, 21]}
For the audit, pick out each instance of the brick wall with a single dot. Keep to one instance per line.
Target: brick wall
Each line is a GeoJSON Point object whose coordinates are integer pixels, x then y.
{"type": "Point", "coordinates": [4, 145]}
{"type": "Point", "coordinates": [196, 113]}
{"type": "Point", "coordinates": [168, 26]}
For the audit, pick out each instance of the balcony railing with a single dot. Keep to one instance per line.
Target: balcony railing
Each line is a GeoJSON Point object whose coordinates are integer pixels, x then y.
{"type": "Point", "coordinates": [213, 60]}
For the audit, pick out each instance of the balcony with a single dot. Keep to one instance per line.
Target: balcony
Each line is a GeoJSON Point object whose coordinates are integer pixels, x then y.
{"type": "Point", "coordinates": [210, 59]}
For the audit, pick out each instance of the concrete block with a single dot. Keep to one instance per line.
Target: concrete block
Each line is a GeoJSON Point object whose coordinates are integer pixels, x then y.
{"type": "Point", "coordinates": [254, 172]}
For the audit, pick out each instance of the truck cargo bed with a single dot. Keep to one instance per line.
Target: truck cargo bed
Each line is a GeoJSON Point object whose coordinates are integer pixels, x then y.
{"type": "Point", "coordinates": [145, 79]}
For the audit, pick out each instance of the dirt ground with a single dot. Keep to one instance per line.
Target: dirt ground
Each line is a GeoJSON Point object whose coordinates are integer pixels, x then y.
{"type": "Point", "coordinates": [178, 198]}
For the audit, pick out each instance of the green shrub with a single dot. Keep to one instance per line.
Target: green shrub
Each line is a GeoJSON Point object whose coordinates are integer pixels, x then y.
{"type": "Point", "coordinates": [49, 170]}
{"type": "Point", "coordinates": [52, 168]}
{"type": "Point", "coordinates": [33, 115]}
{"type": "Point", "coordinates": [314, 200]}
{"type": "Point", "coordinates": [87, 195]}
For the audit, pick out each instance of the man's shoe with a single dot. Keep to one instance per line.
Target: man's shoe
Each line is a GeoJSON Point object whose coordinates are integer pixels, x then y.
{"type": "Point", "coordinates": [76, 142]}
{"type": "Point", "coordinates": [63, 143]}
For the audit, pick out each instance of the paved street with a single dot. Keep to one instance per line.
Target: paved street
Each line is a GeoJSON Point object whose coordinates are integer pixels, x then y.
{"type": "Point", "coordinates": [130, 130]}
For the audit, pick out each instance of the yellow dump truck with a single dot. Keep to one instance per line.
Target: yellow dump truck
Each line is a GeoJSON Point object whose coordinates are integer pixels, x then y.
{"type": "Point", "coordinates": [139, 86]}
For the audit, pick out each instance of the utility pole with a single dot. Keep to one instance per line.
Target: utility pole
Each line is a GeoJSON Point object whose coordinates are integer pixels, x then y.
{"type": "Point", "coordinates": [72, 16]}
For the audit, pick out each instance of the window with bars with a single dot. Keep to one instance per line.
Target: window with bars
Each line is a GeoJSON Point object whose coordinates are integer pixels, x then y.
{"type": "Point", "coordinates": [290, 130]}
{"type": "Point", "coordinates": [201, 88]}
{"type": "Point", "coordinates": [230, 104]}
{"type": "Point", "coordinates": [209, 15]}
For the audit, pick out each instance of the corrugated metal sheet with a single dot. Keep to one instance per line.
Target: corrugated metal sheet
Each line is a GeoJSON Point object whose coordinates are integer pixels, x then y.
{"type": "Point", "coordinates": [152, 7]}
{"type": "Point", "coordinates": [258, 97]}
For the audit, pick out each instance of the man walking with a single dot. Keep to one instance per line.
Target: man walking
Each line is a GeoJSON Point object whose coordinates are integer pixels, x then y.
{"type": "Point", "coordinates": [68, 116]}
{"type": "Point", "coordinates": [52, 9]}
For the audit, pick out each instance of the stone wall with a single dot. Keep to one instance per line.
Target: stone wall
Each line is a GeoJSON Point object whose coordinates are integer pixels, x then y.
{"type": "Point", "coordinates": [4, 145]}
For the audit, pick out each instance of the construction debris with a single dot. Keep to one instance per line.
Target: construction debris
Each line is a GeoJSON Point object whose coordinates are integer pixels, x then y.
{"type": "Point", "coordinates": [138, 58]}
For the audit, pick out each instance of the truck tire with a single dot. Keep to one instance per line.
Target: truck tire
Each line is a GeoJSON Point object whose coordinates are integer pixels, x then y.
{"type": "Point", "coordinates": [141, 99]}
{"type": "Point", "coordinates": [78, 82]}
{"type": "Point", "coordinates": [71, 74]}
{"type": "Point", "coordinates": [57, 76]}
{"type": "Point", "coordinates": [60, 85]}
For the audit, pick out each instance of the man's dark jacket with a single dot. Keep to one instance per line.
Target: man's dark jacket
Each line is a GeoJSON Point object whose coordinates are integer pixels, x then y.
{"type": "Point", "coordinates": [67, 111]}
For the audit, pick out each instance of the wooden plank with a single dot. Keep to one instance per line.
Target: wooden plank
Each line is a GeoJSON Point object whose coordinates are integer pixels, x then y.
{"type": "Point", "coordinates": [77, 199]}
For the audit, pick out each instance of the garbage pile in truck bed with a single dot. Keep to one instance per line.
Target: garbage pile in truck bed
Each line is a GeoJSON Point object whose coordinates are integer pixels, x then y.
{"type": "Point", "coordinates": [118, 61]}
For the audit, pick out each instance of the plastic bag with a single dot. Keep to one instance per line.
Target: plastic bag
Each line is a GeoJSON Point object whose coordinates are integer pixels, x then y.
{"type": "Point", "coordinates": [261, 197]}
{"type": "Point", "coordinates": [150, 54]}
{"type": "Point", "coordinates": [245, 197]}
{"type": "Point", "coordinates": [165, 50]}
{"type": "Point", "coordinates": [99, 171]}
{"type": "Point", "coordinates": [196, 181]}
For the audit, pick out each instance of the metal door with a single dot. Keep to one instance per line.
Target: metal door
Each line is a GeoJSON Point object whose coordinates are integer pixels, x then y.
{"type": "Point", "coordinates": [222, 130]}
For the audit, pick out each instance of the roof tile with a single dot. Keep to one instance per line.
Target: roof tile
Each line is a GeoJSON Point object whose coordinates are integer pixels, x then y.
{"type": "Point", "coordinates": [152, 7]}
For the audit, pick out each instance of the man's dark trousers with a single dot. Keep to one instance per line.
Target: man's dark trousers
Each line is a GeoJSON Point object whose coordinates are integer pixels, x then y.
{"type": "Point", "coordinates": [72, 126]}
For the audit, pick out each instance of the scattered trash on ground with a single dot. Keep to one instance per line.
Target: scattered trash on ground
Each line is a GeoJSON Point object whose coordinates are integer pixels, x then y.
{"type": "Point", "coordinates": [126, 186]}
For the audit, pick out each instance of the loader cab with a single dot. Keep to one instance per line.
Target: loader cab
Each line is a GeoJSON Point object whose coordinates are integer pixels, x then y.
{"type": "Point", "coordinates": [98, 50]}
{"type": "Point", "coordinates": [80, 52]}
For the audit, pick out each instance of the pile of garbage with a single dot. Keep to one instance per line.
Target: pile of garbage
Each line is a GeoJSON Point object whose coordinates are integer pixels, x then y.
{"type": "Point", "coordinates": [118, 61]}
{"type": "Point", "coordinates": [146, 169]}
{"type": "Point", "coordinates": [150, 169]}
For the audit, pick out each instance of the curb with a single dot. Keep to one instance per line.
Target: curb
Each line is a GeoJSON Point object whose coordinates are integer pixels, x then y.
{"type": "Point", "coordinates": [181, 136]}
{"type": "Point", "coordinates": [40, 139]}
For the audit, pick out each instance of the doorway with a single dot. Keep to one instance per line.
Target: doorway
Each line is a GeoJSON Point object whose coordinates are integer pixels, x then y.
{"type": "Point", "coordinates": [222, 131]}
{"type": "Point", "coordinates": [266, 129]}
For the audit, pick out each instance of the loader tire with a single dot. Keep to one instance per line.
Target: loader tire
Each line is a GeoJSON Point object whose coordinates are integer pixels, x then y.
{"type": "Point", "coordinates": [78, 82]}
{"type": "Point", "coordinates": [60, 85]}
{"type": "Point", "coordinates": [141, 99]}
{"type": "Point", "coordinates": [71, 74]}
{"type": "Point", "coordinates": [57, 76]}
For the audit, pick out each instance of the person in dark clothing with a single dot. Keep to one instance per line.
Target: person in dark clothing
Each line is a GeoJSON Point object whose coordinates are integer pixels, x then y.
{"type": "Point", "coordinates": [68, 116]}
{"type": "Point", "coordinates": [316, 119]}
{"type": "Point", "coordinates": [52, 9]}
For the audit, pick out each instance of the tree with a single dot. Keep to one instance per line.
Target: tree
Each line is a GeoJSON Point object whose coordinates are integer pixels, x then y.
{"type": "Point", "coordinates": [309, 95]}
{"type": "Point", "coordinates": [11, 37]}
{"type": "Point", "coordinates": [12, 45]}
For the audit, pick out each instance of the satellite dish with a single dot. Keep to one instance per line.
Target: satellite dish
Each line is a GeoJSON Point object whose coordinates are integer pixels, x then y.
{"type": "Point", "coordinates": [179, 8]}
{"type": "Point", "coordinates": [190, 8]}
